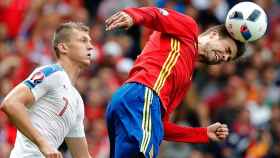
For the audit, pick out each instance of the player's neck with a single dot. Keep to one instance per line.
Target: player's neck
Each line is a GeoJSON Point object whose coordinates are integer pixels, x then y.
{"type": "Point", "coordinates": [70, 68]}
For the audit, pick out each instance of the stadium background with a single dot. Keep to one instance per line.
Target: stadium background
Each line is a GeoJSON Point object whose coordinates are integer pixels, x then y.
{"type": "Point", "coordinates": [245, 94]}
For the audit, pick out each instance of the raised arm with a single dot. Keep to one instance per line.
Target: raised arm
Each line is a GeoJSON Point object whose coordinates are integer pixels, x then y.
{"type": "Point", "coordinates": [163, 20]}
{"type": "Point", "coordinates": [15, 106]}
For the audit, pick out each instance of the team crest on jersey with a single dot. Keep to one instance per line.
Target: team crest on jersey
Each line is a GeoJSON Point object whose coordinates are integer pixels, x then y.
{"type": "Point", "coordinates": [37, 77]}
{"type": "Point", "coordinates": [163, 11]}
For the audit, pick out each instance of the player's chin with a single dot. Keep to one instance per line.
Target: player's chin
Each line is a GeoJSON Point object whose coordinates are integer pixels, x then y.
{"type": "Point", "coordinates": [212, 62]}
{"type": "Point", "coordinates": [86, 63]}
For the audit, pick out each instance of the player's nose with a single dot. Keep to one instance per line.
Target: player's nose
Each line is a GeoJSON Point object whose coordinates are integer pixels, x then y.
{"type": "Point", "coordinates": [90, 46]}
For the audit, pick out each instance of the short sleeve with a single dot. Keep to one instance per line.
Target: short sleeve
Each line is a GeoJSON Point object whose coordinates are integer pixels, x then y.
{"type": "Point", "coordinates": [36, 82]}
{"type": "Point", "coordinates": [77, 130]}
{"type": "Point", "coordinates": [41, 80]}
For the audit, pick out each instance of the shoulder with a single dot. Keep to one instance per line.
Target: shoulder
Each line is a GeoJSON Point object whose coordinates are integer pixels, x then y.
{"type": "Point", "coordinates": [44, 73]}
{"type": "Point", "coordinates": [189, 22]}
{"type": "Point", "coordinates": [180, 16]}
{"type": "Point", "coordinates": [49, 70]}
{"type": "Point", "coordinates": [192, 24]}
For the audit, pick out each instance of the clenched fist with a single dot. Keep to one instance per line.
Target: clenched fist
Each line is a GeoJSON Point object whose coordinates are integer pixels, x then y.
{"type": "Point", "coordinates": [217, 131]}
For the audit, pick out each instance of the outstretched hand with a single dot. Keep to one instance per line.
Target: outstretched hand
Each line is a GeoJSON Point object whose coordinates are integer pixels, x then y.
{"type": "Point", "coordinates": [119, 20]}
{"type": "Point", "coordinates": [217, 131]}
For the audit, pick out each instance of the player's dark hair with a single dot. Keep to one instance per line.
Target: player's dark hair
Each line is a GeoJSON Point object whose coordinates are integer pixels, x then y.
{"type": "Point", "coordinates": [63, 32]}
{"type": "Point", "coordinates": [223, 33]}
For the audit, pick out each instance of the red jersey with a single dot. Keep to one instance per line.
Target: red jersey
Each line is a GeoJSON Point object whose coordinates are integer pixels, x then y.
{"type": "Point", "coordinates": [167, 62]}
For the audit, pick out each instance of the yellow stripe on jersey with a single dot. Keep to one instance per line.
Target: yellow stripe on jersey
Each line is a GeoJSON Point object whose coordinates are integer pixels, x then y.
{"type": "Point", "coordinates": [168, 64]}
{"type": "Point", "coordinates": [159, 79]}
{"type": "Point", "coordinates": [146, 122]}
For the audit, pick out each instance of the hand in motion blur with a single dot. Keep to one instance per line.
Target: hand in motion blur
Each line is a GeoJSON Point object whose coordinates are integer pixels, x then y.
{"type": "Point", "coordinates": [119, 20]}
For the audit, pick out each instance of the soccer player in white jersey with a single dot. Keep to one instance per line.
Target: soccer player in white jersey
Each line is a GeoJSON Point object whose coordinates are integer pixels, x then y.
{"type": "Point", "coordinates": [46, 108]}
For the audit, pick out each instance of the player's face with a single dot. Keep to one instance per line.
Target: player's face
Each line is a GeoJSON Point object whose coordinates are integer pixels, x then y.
{"type": "Point", "coordinates": [80, 48]}
{"type": "Point", "coordinates": [217, 51]}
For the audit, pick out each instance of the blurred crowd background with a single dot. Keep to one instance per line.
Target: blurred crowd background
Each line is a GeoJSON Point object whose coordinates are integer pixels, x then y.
{"type": "Point", "coordinates": [244, 94]}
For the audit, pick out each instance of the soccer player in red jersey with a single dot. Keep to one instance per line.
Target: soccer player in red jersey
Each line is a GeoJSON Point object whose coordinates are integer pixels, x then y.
{"type": "Point", "coordinates": [138, 114]}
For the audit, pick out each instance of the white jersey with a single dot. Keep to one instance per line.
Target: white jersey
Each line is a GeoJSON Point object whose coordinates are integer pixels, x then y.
{"type": "Point", "coordinates": [58, 110]}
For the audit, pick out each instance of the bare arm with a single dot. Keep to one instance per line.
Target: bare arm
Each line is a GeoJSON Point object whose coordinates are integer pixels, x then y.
{"type": "Point", "coordinates": [15, 106]}
{"type": "Point", "coordinates": [78, 147]}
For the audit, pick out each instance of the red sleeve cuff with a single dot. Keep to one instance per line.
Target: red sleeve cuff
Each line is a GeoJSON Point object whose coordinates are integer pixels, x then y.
{"type": "Point", "coordinates": [173, 132]}
{"type": "Point", "coordinates": [202, 135]}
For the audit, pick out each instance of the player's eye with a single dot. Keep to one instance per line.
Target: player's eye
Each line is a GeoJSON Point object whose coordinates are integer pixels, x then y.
{"type": "Point", "coordinates": [229, 59]}
{"type": "Point", "coordinates": [84, 40]}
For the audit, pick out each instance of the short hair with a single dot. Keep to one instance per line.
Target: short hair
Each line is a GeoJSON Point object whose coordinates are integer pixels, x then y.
{"type": "Point", "coordinates": [223, 33]}
{"type": "Point", "coordinates": [63, 32]}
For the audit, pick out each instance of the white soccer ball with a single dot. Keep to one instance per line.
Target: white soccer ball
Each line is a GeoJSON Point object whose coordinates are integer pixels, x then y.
{"type": "Point", "coordinates": [246, 22]}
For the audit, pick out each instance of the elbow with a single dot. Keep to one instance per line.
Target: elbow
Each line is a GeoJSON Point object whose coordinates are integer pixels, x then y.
{"type": "Point", "coordinates": [4, 105]}
{"type": "Point", "coordinates": [7, 106]}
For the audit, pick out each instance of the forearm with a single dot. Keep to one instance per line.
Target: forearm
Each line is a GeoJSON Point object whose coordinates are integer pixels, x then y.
{"type": "Point", "coordinates": [78, 147]}
{"type": "Point", "coordinates": [142, 16]}
{"type": "Point", "coordinates": [164, 20]}
{"type": "Point", "coordinates": [173, 132]}
{"type": "Point", "coordinates": [17, 113]}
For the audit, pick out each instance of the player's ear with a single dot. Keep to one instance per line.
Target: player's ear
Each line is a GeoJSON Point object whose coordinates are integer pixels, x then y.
{"type": "Point", "coordinates": [63, 48]}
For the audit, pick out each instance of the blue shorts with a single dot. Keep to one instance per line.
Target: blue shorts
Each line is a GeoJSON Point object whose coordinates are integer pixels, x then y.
{"type": "Point", "coordinates": [134, 122]}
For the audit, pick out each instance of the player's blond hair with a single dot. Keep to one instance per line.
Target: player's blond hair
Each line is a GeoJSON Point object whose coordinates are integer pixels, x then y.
{"type": "Point", "coordinates": [63, 32]}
